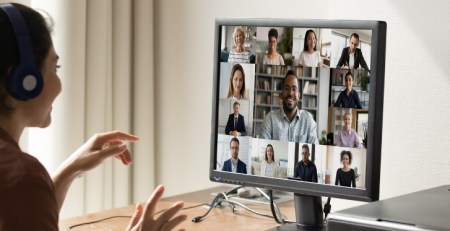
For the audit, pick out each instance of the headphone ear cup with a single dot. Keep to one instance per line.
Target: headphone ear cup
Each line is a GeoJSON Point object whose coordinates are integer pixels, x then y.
{"type": "Point", "coordinates": [26, 80]}
{"type": "Point", "coordinates": [25, 83]}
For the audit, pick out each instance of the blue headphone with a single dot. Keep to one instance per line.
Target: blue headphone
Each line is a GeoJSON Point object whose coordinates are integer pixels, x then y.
{"type": "Point", "coordinates": [26, 80]}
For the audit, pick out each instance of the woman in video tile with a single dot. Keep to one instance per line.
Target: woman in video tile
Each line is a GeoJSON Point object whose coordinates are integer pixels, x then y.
{"type": "Point", "coordinates": [236, 89]}
{"type": "Point", "coordinates": [310, 57]}
{"type": "Point", "coordinates": [345, 176]}
{"type": "Point", "coordinates": [273, 57]}
{"type": "Point", "coordinates": [239, 54]}
{"type": "Point", "coordinates": [347, 136]}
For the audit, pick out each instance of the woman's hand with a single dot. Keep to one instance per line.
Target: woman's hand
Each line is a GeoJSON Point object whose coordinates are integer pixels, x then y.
{"type": "Point", "coordinates": [143, 218]}
{"type": "Point", "coordinates": [89, 155]}
{"type": "Point", "coordinates": [98, 148]}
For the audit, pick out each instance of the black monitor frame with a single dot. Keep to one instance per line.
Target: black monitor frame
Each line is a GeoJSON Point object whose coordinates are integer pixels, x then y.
{"type": "Point", "coordinates": [373, 158]}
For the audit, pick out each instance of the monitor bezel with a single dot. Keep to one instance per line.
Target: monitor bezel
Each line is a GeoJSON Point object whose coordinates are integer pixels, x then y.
{"type": "Point", "coordinates": [377, 69]}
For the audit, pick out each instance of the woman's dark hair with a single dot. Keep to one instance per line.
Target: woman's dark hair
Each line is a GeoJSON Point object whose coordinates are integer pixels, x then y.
{"type": "Point", "coordinates": [349, 154]}
{"type": "Point", "coordinates": [41, 41]}
{"type": "Point", "coordinates": [305, 48]}
{"type": "Point", "coordinates": [273, 33]}
{"type": "Point", "coordinates": [273, 153]}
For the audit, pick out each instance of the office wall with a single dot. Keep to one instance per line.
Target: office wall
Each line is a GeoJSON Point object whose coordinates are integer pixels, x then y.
{"type": "Point", "coordinates": [417, 108]}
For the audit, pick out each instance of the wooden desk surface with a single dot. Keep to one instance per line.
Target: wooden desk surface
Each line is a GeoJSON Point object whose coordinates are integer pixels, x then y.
{"type": "Point", "coordinates": [217, 219]}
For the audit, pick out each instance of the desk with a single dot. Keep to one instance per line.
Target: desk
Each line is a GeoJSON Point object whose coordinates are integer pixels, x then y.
{"type": "Point", "coordinates": [217, 219]}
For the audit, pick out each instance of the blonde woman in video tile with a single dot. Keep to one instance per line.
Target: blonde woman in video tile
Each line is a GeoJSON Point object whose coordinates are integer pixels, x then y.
{"type": "Point", "coordinates": [347, 136]}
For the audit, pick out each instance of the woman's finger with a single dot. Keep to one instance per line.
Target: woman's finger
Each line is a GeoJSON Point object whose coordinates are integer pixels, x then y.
{"type": "Point", "coordinates": [125, 158]}
{"type": "Point", "coordinates": [114, 135]}
{"type": "Point", "coordinates": [168, 214]}
{"type": "Point", "coordinates": [150, 206]}
{"type": "Point", "coordinates": [171, 224]}
{"type": "Point", "coordinates": [112, 151]}
{"type": "Point", "coordinates": [136, 216]}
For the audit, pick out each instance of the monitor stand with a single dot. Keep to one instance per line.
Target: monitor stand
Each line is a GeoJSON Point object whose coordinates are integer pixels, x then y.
{"type": "Point", "coordinates": [308, 214]}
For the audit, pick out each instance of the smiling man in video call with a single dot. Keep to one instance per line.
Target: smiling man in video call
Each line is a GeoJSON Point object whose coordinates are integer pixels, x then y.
{"type": "Point", "coordinates": [236, 124]}
{"type": "Point", "coordinates": [234, 164]}
{"type": "Point", "coordinates": [290, 123]}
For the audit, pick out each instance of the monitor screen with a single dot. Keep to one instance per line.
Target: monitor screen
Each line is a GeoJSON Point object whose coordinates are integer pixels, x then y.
{"type": "Point", "coordinates": [298, 105]}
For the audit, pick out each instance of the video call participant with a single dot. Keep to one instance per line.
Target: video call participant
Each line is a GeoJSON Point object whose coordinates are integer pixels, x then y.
{"type": "Point", "coordinates": [268, 166]}
{"type": "Point", "coordinates": [290, 123]}
{"type": "Point", "coordinates": [348, 98]}
{"type": "Point", "coordinates": [309, 57]}
{"type": "Point", "coordinates": [236, 87]}
{"type": "Point", "coordinates": [239, 54]}
{"type": "Point", "coordinates": [236, 124]}
{"type": "Point", "coordinates": [305, 169]}
{"type": "Point", "coordinates": [352, 56]}
{"type": "Point", "coordinates": [345, 176]}
{"type": "Point", "coordinates": [273, 57]}
{"type": "Point", "coordinates": [347, 136]}
{"type": "Point", "coordinates": [234, 164]}
{"type": "Point", "coordinates": [31, 199]}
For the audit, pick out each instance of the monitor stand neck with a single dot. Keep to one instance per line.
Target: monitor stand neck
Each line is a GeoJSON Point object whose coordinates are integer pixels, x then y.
{"type": "Point", "coordinates": [308, 213]}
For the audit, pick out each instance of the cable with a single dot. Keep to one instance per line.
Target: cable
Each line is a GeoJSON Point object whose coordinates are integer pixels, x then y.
{"type": "Point", "coordinates": [326, 209]}
{"type": "Point", "coordinates": [276, 211]}
{"type": "Point", "coordinates": [129, 217]}
{"type": "Point", "coordinates": [224, 197]}
{"type": "Point", "coordinates": [213, 204]}
{"type": "Point", "coordinates": [97, 221]}
{"type": "Point", "coordinates": [272, 208]}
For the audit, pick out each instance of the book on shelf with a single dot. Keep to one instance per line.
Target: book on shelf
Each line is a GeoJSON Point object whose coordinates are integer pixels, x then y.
{"type": "Point", "coordinates": [311, 102]}
{"type": "Point", "coordinates": [312, 88]}
{"type": "Point", "coordinates": [258, 99]}
{"type": "Point", "coordinates": [276, 99]}
{"type": "Point", "coordinates": [266, 85]}
{"type": "Point", "coordinates": [306, 87]}
{"type": "Point", "coordinates": [299, 71]}
{"type": "Point", "coordinates": [276, 85]}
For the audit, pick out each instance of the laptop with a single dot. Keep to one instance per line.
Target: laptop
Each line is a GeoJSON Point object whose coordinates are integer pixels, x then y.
{"type": "Point", "coordinates": [424, 210]}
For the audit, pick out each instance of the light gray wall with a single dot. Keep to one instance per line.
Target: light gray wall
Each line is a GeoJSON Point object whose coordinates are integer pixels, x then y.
{"type": "Point", "coordinates": [417, 108]}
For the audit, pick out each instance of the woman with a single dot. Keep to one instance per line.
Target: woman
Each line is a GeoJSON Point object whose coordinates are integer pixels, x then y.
{"type": "Point", "coordinates": [30, 198]}
{"type": "Point", "coordinates": [309, 57]}
{"type": "Point", "coordinates": [347, 136]}
{"type": "Point", "coordinates": [345, 176]}
{"type": "Point", "coordinates": [268, 166]}
{"type": "Point", "coordinates": [238, 54]}
{"type": "Point", "coordinates": [272, 57]}
{"type": "Point", "coordinates": [236, 88]}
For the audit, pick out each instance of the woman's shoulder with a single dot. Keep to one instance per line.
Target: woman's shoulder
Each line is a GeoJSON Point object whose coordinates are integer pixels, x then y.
{"type": "Point", "coordinates": [17, 166]}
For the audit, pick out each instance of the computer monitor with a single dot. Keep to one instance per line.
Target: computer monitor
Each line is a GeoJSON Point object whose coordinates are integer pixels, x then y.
{"type": "Point", "coordinates": [298, 107]}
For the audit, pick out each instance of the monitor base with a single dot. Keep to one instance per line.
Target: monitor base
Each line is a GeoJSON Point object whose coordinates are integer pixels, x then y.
{"type": "Point", "coordinates": [308, 214]}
